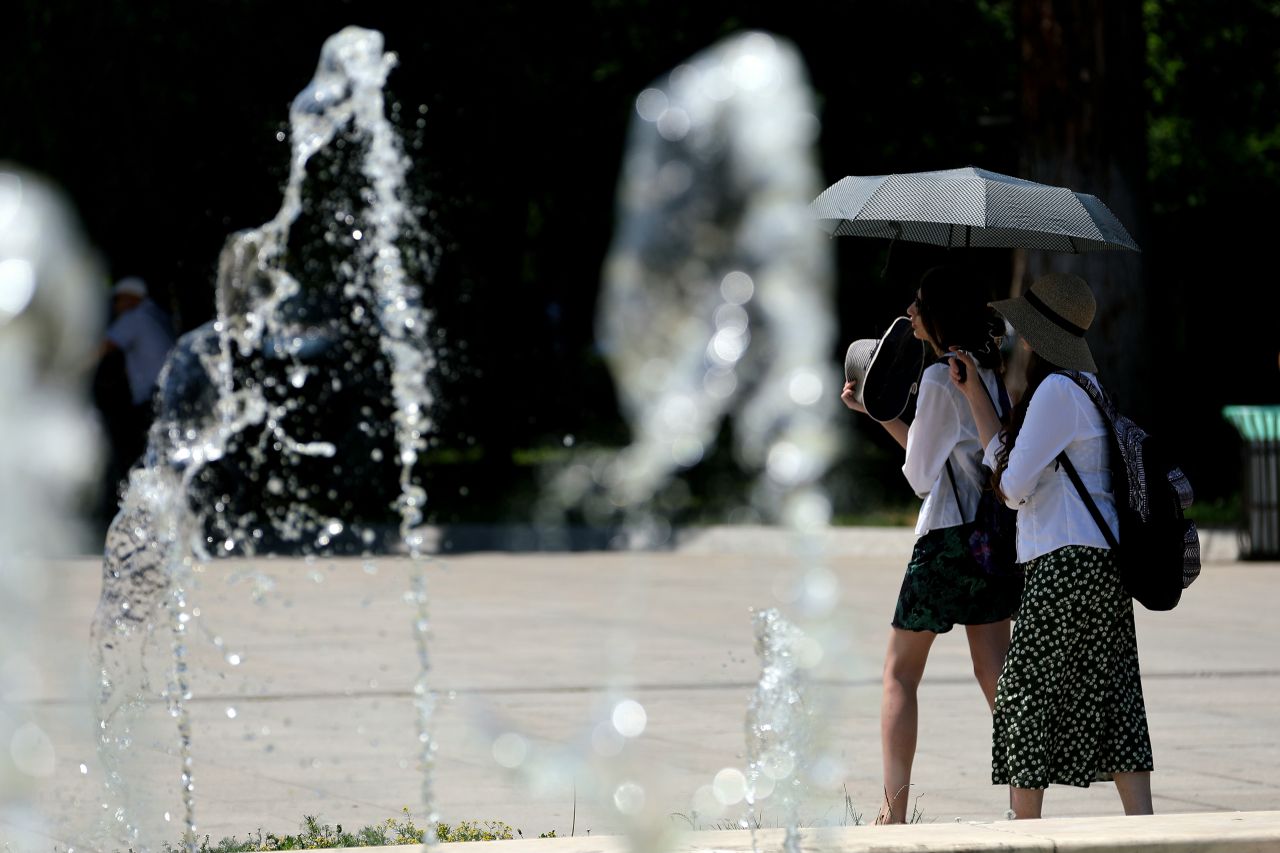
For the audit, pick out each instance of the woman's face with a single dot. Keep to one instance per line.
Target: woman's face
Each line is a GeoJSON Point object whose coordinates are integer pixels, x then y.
{"type": "Point", "coordinates": [917, 325]}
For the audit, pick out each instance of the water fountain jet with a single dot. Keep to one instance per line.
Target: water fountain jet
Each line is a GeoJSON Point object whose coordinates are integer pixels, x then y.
{"type": "Point", "coordinates": [321, 340]}
{"type": "Point", "coordinates": [49, 455]}
{"type": "Point", "coordinates": [717, 309]}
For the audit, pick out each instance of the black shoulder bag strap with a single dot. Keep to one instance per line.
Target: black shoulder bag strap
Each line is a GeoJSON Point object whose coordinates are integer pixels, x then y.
{"type": "Point", "coordinates": [1002, 411]}
{"type": "Point", "coordinates": [952, 475]}
{"type": "Point", "coordinates": [1004, 402]}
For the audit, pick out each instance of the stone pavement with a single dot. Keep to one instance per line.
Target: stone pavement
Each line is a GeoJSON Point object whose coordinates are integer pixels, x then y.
{"type": "Point", "coordinates": [318, 718]}
{"type": "Point", "coordinates": [1206, 832]}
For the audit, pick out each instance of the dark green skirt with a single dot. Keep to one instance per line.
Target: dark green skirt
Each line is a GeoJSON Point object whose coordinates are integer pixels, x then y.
{"type": "Point", "coordinates": [1069, 707]}
{"type": "Point", "coordinates": [944, 587]}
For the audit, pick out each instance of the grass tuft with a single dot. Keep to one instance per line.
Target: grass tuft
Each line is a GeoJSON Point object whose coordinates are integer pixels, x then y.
{"type": "Point", "coordinates": [314, 835]}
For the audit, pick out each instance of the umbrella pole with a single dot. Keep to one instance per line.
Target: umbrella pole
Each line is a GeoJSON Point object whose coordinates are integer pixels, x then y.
{"type": "Point", "coordinates": [897, 231]}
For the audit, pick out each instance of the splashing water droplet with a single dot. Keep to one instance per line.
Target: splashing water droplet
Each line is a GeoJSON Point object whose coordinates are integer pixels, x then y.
{"type": "Point", "coordinates": [786, 463]}
{"type": "Point", "coordinates": [17, 286]}
{"type": "Point", "coordinates": [629, 798]}
{"type": "Point", "coordinates": [805, 388]}
{"type": "Point", "coordinates": [729, 786]}
{"type": "Point", "coordinates": [629, 718]}
{"type": "Point", "coordinates": [674, 124]}
{"type": "Point", "coordinates": [510, 750]}
{"type": "Point", "coordinates": [651, 104]}
{"type": "Point", "coordinates": [777, 764]}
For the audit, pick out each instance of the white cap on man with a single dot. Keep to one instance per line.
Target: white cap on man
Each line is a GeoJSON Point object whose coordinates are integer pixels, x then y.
{"type": "Point", "coordinates": [130, 286]}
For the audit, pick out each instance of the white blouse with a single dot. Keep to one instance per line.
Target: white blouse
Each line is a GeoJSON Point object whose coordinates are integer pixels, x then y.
{"type": "Point", "coordinates": [1051, 513]}
{"type": "Point", "coordinates": [943, 429]}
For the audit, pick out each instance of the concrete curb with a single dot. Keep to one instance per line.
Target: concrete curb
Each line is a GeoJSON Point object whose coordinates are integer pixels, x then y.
{"type": "Point", "coordinates": [1205, 832]}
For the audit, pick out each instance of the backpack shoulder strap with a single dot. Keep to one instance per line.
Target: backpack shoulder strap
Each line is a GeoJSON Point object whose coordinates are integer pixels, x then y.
{"type": "Point", "coordinates": [1099, 397]}
{"type": "Point", "coordinates": [1089, 503]}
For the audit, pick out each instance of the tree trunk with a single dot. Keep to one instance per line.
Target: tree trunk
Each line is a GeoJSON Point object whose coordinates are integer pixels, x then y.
{"type": "Point", "coordinates": [1083, 111]}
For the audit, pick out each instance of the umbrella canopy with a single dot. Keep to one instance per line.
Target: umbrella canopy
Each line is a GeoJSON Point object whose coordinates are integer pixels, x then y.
{"type": "Point", "coordinates": [970, 207]}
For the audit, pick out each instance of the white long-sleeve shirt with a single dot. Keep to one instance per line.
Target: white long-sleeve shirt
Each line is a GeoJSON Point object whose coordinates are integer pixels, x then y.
{"type": "Point", "coordinates": [145, 334]}
{"type": "Point", "coordinates": [943, 429]}
{"type": "Point", "coordinates": [1051, 513]}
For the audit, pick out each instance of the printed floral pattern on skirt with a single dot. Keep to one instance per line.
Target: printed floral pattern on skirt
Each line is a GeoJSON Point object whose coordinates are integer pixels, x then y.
{"type": "Point", "coordinates": [1069, 707]}
{"type": "Point", "coordinates": [944, 587]}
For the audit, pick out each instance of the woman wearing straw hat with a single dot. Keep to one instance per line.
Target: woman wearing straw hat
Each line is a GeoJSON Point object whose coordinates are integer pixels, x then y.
{"type": "Point", "coordinates": [943, 586]}
{"type": "Point", "coordinates": [1069, 706]}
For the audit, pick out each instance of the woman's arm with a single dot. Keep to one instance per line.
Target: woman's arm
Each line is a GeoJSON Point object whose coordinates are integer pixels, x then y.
{"type": "Point", "coordinates": [984, 413]}
{"type": "Point", "coordinates": [895, 427]}
{"type": "Point", "coordinates": [898, 429]}
{"type": "Point", "coordinates": [932, 435]}
{"type": "Point", "coordinates": [1050, 425]}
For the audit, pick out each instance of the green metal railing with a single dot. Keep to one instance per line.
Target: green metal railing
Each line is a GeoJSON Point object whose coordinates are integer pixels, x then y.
{"type": "Point", "coordinates": [1259, 426]}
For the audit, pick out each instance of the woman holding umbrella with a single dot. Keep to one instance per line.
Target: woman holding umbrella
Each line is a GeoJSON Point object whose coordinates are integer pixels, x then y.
{"type": "Point", "coordinates": [944, 586]}
{"type": "Point", "coordinates": [1069, 707]}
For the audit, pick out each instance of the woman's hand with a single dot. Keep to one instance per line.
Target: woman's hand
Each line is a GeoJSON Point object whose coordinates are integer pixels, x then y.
{"type": "Point", "coordinates": [847, 397]}
{"type": "Point", "coordinates": [963, 372]}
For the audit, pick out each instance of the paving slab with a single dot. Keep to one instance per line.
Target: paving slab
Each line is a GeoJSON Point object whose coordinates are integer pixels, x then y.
{"type": "Point", "coordinates": [318, 716]}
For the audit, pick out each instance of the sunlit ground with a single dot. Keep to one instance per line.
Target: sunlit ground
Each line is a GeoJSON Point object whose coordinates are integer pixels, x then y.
{"type": "Point", "coordinates": [305, 706]}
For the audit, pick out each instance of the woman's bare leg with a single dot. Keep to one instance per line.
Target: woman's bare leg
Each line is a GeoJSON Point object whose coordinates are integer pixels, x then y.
{"type": "Point", "coordinates": [1135, 792]}
{"type": "Point", "coordinates": [1026, 802]}
{"type": "Point", "coordinates": [903, 668]}
{"type": "Point", "coordinates": [988, 645]}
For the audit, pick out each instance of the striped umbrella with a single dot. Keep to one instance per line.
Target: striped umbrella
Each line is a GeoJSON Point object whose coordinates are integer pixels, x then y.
{"type": "Point", "coordinates": [970, 207]}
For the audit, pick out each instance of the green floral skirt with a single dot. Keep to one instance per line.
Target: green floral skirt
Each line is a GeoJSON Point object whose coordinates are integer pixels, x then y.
{"type": "Point", "coordinates": [1069, 707]}
{"type": "Point", "coordinates": [944, 587]}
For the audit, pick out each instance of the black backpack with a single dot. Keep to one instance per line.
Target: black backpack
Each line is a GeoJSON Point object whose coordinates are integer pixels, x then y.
{"type": "Point", "coordinates": [1157, 550]}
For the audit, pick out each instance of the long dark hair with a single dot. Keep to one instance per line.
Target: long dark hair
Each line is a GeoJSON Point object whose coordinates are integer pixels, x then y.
{"type": "Point", "coordinates": [1038, 368]}
{"type": "Point", "coordinates": [953, 310]}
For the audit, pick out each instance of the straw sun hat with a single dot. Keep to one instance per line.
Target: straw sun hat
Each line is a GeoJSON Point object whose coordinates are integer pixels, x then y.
{"type": "Point", "coordinates": [1052, 316]}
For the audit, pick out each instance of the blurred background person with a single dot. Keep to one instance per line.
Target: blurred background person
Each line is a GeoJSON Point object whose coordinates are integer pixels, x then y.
{"type": "Point", "coordinates": [132, 352]}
